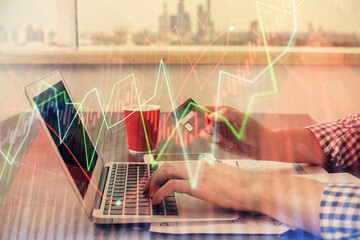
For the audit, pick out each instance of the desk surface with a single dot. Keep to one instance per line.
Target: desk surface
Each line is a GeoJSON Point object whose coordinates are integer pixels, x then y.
{"type": "Point", "coordinates": [40, 202]}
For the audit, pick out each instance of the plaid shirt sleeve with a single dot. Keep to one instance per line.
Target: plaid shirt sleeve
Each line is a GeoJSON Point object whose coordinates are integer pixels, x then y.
{"type": "Point", "coordinates": [340, 140]}
{"type": "Point", "coordinates": [340, 211]}
{"type": "Point", "coordinates": [340, 204]}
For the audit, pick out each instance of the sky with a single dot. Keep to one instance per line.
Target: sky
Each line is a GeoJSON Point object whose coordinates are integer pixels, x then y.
{"type": "Point", "coordinates": [108, 15]}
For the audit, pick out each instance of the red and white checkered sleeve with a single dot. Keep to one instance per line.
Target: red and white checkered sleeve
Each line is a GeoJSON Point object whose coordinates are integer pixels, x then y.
{"type": "Point", "coordinates": [340, 140]}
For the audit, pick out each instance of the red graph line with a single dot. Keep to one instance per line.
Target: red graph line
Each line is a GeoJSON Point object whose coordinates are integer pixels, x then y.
{"type": "Point", "coordinates": [79, 165]}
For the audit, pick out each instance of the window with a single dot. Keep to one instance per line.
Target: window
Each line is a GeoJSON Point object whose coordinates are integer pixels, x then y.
{"type": "Point", "coordinates": [323, 23]}
{"type": "Point", "coordinates": [180, 31]}
{"type": "Point", "coordinates": [36, 23]}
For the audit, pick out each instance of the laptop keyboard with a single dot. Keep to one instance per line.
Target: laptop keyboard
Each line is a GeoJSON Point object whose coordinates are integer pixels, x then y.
{"type": "Point", "coordinates": [126, 194]}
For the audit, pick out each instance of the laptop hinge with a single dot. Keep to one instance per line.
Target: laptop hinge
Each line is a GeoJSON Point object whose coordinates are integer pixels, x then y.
{"type": "Point", "coordinates": [98, 197]}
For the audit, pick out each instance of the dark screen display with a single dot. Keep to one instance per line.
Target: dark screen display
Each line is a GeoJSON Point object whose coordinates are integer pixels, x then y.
{"type": "Point", "coordinates": [68, 134]}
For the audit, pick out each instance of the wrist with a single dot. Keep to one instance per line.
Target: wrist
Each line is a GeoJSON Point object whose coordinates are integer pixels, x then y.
{"type": "Point", "coordinates": [261, 189]}
{"type": "Point", "coordinates": [269, 145]}
{"type": "Point", "coordinates": [290, 199]}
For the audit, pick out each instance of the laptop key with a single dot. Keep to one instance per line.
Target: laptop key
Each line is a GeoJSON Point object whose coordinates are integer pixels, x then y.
{"type": "Point", "coordinates": [144, 204]}
{"type": "Point", "coordinates": [130, 211]}
{"type": "Point", "coordinates": [157, 207]}
{"type": "Point", "coordinates": [171, 208]}
{"type": "Point", "coordinates": [158, 212]}
{"type": "Point", "coordinates": [131, 185]}
{"type": "Point", "coordinates": [130, 201]}
{"type": "Point", "coordinates": [119, 191]}
{"type": "Point", "coordinates": [116, 212]}
{"type": "Point", "coordinates": [144, 200]}
{"type": "Point", "coordinates": [143, 196]}
{"type": "Point", "coordinates": [131, 195]}
{"type": "Point", "coordinates": [130, 180]}
{"type": "Point", "coordinates": [117, 207]}
{"type": "Point", "coordinates": [170, 204]}
{"type": "Point", "coordinates": [130, 205]}
{"type": "Point", "coordinates": [144, 211]}
{"type": "Point", "coordinates": [118, 197]}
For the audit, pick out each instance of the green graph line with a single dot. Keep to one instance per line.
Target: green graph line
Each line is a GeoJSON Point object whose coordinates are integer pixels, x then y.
{"type": "Point", "coordinates": [161, 66]}
{"type": "Point", "coordinates": [239, 135]}
{"type": "Point", "coordinates": [2, 170]}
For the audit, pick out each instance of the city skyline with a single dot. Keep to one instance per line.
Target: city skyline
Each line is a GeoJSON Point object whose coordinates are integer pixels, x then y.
{"type": "Point", "coordinates": [224, 14]}
{"type": "Point", "coordinates": [15, 12]}
{"type": "Point", "coordinates": [197, 21]}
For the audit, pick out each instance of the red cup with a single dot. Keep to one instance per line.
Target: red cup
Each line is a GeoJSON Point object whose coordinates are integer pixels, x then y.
{"type": "Point", "coordinates": [142, 127]}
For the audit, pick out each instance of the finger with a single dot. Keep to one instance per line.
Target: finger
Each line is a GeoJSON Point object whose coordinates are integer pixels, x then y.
{"type": "Point", "coordinates": [147, 184]}
{"type": "Point", "coordinates": [208, 130]}
{"type": "Point", "coordinates": [165, 173]}
{"type": "Point", "coordinates": [210, 137]}
{"type": "Point", "coordinates": [230, 114]}
{"type": "Point", "coordinates": [173, 185]}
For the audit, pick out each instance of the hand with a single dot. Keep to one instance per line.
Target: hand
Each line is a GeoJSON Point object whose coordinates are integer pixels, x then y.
{"type": "Point", "coordinates": [254, 142]}
{"type": "Point", "coordinates": [290, 199]}
{"type": "Point", "coordinates": [217, 183]}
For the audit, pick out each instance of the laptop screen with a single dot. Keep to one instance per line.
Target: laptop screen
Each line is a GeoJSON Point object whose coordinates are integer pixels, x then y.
{"type": "Point", "coordinates": [68, 134]}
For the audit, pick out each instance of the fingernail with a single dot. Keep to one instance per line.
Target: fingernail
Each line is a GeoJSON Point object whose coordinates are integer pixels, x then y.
{"type": "Point", "coordinates": [209, 129]}
{"type": "Point", "coordinates": [218, 138]}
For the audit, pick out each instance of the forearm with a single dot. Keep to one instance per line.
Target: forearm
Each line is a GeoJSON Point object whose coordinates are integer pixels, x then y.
{"type": "Point", "coordinates": [295, 145]}
{"type": "Point", "coordinates": [290, 199]}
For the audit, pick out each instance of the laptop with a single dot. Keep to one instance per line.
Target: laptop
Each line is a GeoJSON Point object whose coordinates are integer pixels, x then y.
{"type": "Point", "coordinates": [110, 192]}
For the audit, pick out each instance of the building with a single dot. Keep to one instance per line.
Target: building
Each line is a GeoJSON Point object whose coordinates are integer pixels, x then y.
{"type": "Point", "coordinates": [182, 21]}
{"type": "Point", "coordinates": [205, 24]}
{"type": "Point", "coordinates": [164, 25]}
